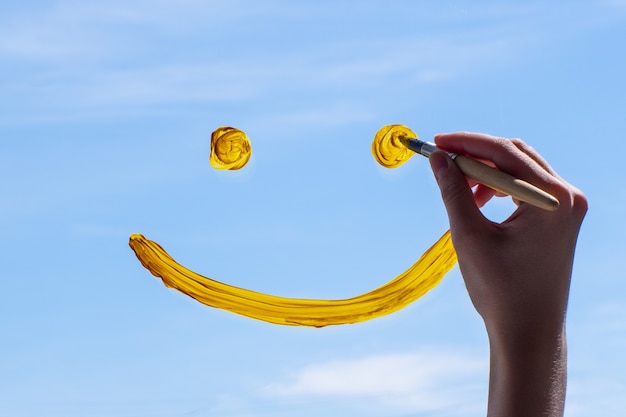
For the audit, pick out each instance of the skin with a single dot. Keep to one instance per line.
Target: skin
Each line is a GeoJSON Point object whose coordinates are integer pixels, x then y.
{"type": "Point", "coordinates": [517, 272]}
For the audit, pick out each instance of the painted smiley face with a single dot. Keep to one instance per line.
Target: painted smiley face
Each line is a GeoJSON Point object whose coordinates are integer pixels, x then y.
{"type": "Point", "coordinates": [231, 150]}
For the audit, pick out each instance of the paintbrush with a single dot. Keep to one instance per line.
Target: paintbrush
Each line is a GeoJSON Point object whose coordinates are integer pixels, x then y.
{"type": "Point", "coordinates": [491, 177]}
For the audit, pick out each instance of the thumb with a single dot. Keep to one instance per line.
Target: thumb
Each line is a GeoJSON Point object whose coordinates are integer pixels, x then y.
{"type": "Point", "coordinates": [456, 193]}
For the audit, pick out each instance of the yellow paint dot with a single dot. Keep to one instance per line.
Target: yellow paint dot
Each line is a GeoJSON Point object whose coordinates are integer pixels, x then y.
{"type": "Point", "coordinates": [387, 148]}
{"type": "Point", "coordinates": [230, 148]}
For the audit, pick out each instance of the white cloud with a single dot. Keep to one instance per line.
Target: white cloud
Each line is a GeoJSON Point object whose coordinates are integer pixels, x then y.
{"type": "Point", "coordinates": [90, 29]}
{"type": "Point", "coordinates": [84, 60]}
{"type": "Point", "coordinates": [353, 69]}
{"type": "Point", "coordinates": [425, 381]}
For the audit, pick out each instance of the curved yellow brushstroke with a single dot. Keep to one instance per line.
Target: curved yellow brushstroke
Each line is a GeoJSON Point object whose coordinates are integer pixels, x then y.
{"type": "Point", "coordinates": [396, 294]}
{"type": "Point", "coordinates": [387, 148]}
{"type": "Point", "coordinates": [230, 148]}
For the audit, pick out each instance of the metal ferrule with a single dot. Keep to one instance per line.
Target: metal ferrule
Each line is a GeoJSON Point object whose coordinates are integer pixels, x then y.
{"type": "Point", "coordinates": [419, 146]}
{"type": "Point", "coordinates": [424, 148]}
{"type": "Point", "coordinates": [428, 148]}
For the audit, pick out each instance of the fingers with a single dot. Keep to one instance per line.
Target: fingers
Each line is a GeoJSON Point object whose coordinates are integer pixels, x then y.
{"type": "Point", "coordinates": [532, 153]}
{"type": "Point", "coordinates": [511, 156]}
{"type": "Point", "coordinates": [463, 213]}
{"type": "Point", "coordinates": [482, 194]}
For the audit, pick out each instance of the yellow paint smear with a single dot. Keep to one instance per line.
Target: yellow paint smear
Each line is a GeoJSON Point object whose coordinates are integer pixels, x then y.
{"type": "Point", "coordinates": [230, 149]}
{"type": "Point", "coordinates": [407, 287]}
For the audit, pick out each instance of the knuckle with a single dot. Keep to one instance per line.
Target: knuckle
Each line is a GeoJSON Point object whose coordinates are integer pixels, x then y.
{"type": "Point", "coordinates": [517, 142]}
{"type": "Point", "coordinates": [523, 146]}
{"type": "Point", "coordinates": [573, 200]}
{"type": "Point", "coordinates": [511, 146]}
{"type": "Point", "coordinates": [580, 204]}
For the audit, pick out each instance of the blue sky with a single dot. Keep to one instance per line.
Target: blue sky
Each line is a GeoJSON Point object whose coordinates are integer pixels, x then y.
{"type": "Point", "coordinates": [106, 111]}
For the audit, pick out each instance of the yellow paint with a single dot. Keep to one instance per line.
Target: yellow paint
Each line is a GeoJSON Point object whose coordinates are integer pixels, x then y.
{"type": "Point", "coordinates": [396, 294]}
{"type": "Point", "coordinates": [230, 148]}
{"type": "Point", "coordinates": [407, 287]}
{"type": "Point", "coordinates": [387, 148]}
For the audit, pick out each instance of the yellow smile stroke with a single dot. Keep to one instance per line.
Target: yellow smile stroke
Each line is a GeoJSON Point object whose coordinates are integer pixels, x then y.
{"type": "Point", "coordinates": [229, 147]}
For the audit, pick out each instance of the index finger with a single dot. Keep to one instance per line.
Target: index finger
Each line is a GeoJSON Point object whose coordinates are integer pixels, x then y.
{"type": "Point", "coordinates": [505, 154]}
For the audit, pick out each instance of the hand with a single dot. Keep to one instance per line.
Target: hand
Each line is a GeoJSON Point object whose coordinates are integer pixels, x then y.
{"type": "Point", "coordinates": [517, 272]}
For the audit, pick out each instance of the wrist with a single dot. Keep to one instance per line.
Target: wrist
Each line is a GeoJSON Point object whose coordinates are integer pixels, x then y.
{"type": "Point", "coordinates": [528, 374]}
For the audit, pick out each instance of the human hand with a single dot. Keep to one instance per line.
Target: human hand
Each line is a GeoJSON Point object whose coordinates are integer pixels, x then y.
{"type": "Point", "coordinates": [517, 272]}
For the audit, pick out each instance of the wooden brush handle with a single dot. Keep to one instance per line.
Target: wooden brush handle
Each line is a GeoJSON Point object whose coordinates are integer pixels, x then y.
{"type": "Point", "coordinates": [506, 183]}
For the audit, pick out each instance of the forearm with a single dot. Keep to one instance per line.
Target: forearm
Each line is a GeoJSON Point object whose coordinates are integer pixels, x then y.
{"type": "Point", "coordinates": [517, 272]}
{"type": "Point", "coordinates": [528, 377]}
